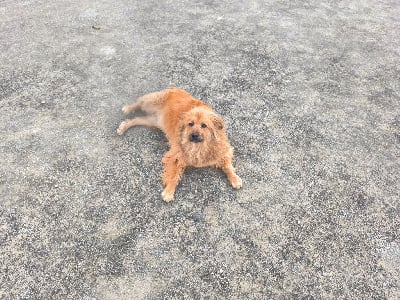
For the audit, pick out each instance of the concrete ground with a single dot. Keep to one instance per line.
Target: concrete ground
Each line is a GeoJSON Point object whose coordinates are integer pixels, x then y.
{"type": "Point", "coordinates": [310, 91]}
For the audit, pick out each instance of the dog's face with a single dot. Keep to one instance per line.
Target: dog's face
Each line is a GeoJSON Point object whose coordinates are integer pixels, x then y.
{"type": "Point", "coordinates": [200, 126]}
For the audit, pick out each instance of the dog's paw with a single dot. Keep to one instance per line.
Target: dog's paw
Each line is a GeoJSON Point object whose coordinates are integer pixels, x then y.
{"type": "Point", "coordinates": [236, 182]}
{"type": "Point", "coordinates": [121, 129]}
{"type": "Point", "coordinates": [167, 196]}
{"type": "Point", "coordinates": [126, 109]}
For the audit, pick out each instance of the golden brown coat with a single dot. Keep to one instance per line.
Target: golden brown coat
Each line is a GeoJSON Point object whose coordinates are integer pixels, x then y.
{"type": "Point", "coordinates": [195, 133]}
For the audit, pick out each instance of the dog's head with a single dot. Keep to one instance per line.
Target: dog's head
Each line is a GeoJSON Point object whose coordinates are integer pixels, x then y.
{"type": "Point", "coordinates": [200, 125]}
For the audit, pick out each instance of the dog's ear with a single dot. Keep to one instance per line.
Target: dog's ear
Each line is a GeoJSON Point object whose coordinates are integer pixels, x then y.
{"type": "Point", "coordinates": [218, 122]}
{"type": "Point", "coordinates": [181, 121]}
{"type": "Point", "coordinates": [181, 124]}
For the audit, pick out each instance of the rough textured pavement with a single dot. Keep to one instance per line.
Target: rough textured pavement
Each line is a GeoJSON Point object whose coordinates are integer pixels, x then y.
{"type": "Point", "coordinates": [310, 91]}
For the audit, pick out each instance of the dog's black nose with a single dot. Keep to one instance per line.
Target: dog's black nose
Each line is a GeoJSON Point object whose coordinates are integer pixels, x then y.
{"type": "Point", "coordinates": [195, 137]}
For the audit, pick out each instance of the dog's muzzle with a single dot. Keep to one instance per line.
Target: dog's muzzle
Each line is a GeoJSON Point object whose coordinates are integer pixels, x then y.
{"type": "Point", "coordinates": [195, 137]}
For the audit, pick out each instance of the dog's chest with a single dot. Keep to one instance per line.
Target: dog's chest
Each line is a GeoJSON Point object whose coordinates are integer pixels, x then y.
{"type": "Point", "coordinates": [198, 157]}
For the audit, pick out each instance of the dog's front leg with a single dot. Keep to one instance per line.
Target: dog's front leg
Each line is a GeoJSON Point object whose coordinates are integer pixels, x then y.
{"type": "Point", "coordinates": [173, 170]}
{"type": "Point", "coordinates": [227, 167]}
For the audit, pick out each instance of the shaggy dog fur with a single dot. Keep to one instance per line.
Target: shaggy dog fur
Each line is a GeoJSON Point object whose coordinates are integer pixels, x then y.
{"type": "Point", "coordinates": [196, 135]}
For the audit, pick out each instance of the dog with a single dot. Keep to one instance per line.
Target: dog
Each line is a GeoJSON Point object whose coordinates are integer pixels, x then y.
{"type": "Point", "coordinates": [196, 135]}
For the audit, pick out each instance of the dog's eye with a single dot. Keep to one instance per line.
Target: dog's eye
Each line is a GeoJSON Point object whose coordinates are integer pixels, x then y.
{"type": "Point", "coordinates": [203, 125]}
{"type": "Point", "coordinates": [191, 124]}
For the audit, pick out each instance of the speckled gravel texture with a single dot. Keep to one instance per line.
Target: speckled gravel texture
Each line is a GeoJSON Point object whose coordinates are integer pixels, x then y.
{"type": "Point", "coordinates": [310, 92]}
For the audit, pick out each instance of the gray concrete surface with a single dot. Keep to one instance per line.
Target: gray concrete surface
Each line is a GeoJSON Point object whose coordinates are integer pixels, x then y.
{"type": "Point", "coordinates": [310, 91]}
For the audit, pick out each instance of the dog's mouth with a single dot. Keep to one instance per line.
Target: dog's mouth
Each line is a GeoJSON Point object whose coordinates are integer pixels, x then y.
{"type": "Point", "coordinates": [195, 138]}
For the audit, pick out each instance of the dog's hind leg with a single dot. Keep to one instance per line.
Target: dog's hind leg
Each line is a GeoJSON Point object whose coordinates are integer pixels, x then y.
{"type": "Point", "coordinates": [149, 121]}
{"type": "Point", "coordinates": [149, 103]}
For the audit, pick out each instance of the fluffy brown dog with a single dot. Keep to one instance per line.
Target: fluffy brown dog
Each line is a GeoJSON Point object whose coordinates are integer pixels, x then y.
{"type": "Point", "coordinates": [195, 133]}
